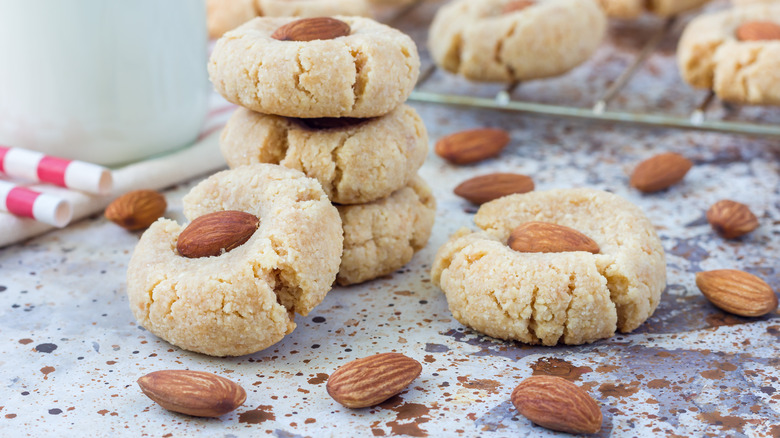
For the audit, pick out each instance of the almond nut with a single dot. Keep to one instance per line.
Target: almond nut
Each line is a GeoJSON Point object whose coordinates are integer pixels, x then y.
{"type": "Point", "coordinates": [371, 380]}
{"type": "Point", "coordinates": [136, 210]}
{"type": "Point", "coordinates": [758, 31]}
{"type": "Point", "coordinates": [549, 237]}
{"type": "Point", "coordinates": [731, 219]}
{"type": "Point", "coordinates": [194, 393]}
{"type": "Point", "coordinates": [467, 147]}
{"type": "Point", "coordinates": [660, 172]}
{"type": "Point", "coordinates": [486, 188]}
{"type": "Point", "coordinates": [517, 5]}
{"type": "Point", "coordinates": [310, 29]}
{"type": "Point", "coordinates": [737, 292]}
{"type": "Point", "coordinates": [555, 403]}
{"type": "Point", "coordinates": [216, 233]}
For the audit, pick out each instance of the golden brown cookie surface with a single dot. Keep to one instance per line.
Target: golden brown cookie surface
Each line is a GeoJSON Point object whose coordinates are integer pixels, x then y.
{"type": "Point", "coordinates": [548, 298]}
{"type": "Point", "coordinates": [243, 300]}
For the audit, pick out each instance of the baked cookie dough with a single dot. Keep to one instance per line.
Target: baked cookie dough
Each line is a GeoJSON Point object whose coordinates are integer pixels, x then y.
{"type": "Point", "coordinates": [224, 15]}
{"type": "Point", "coordinates": [480, 41]}
{"type": "Point", "coordinates": [361, 161]}
{"type": "Point", "coordinates": [711, 56]}
{"type": "Point", "coordinates": [633, 8]}
{"type": "Point", "coordinates": [382, 236]}
{"type": "Point", "coordinates": [312, 8]}
{"type": "Point", "coordinates": [549, 298]}
{"type": "Point", "coordinates": [365, 74]}
{"type": "Point", "coordinates": [243, 300]}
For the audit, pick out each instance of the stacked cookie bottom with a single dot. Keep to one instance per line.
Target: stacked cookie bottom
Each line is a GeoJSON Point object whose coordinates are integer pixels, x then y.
{"type": "Point", "coordinates": [365, 150]}
{"type": "Point", "coordinates": [368, 169]}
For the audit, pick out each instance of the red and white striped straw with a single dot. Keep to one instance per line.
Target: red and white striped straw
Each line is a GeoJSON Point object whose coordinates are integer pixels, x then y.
{"type": "Point", "coordinates": [72, 174]}
{"type": "Point", "coordinates": [43, 207]}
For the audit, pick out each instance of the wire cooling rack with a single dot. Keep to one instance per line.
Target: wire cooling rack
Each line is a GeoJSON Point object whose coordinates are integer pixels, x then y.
{"type": "Point", "coordinates": [698, 118]}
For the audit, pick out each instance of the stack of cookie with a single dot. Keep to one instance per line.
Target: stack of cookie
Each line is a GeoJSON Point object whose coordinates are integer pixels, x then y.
{"type": "Point", "coordinates": [325, 96]}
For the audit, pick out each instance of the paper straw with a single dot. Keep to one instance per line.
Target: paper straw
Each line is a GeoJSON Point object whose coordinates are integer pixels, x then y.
{"type": "Point", "coordinates": [72, 174]}
{"type": "Point", "coordinates": [42, 207]}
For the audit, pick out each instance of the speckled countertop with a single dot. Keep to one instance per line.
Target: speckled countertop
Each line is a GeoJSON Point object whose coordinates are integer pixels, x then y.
{"type": "Point", "coordinates": [71, 351]}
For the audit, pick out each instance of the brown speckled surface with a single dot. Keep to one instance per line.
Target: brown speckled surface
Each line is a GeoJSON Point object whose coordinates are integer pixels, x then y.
{"type": "Point", "coordinates": [71, 351]}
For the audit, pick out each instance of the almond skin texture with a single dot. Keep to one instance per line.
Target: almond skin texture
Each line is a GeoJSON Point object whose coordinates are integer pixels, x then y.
{"type": "Point", "coordinates": [548, 237]}
{"type": "Point", "coordinates": [371, 380]}
{"type": "Point", "coordinates": [731, 219]}
{"type": "Point", "coordinates": [195, 393]}
{"type": "Point", "coordinates": [660, 172]}
{"type": "Point", "coordinates": [737, 292]}
{"type": "Point", "coordinates": [136, 210]}
{"type": "Point", "coordinates": [758, 31]}
{"type": "Point", "coordinates": [471, 146]}
{"type": "Point", "coordinates": [555, 403]}
{"type": "Point", "coordinates": [216, 233]}
{"type": "Point", "coordinates": [517, 5]}
{"type": "Point", "coordinates": [310, 29]}
{"type": "Point", "coordinates": [485, 188]}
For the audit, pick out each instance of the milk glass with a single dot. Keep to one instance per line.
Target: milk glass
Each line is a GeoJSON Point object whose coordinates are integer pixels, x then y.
{"type": "Point", "coordinates": [104, 81]}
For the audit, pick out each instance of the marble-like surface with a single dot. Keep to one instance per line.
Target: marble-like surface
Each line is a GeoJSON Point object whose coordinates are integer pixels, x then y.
{"type": "Point", "coordinates": [71, 351]}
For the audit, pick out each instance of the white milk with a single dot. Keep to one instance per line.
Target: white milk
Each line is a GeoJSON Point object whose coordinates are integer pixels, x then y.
{"type": "Point", "coordinates": [104, 81]}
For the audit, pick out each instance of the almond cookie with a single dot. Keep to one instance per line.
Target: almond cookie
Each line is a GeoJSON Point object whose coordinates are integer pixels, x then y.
{"type": "Point", "coordinates": [634, 8]}
{"type": "Point", "coordinates": [382, 236]}
{"type": "Point", "coordinates": [367, 73]}
{"type": "Point", "coordinates": [243, 300]}
{"type": "Point", "coordinates": [511, 40]}
{"type": "Point", "coordinates": [312, 8]}
{"type": "Point", "coordinates": [224, 15]}
{"type": "Point", "coordinates": [547, 298]}
{"type": "Point", "coordinates": [717, 51]}
{"type": "Point", "coordinates": [355, 160]}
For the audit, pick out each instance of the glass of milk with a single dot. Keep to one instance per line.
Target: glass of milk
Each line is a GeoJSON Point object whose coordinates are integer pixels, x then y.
{"type": "Point", "coordinates": [104, 81]}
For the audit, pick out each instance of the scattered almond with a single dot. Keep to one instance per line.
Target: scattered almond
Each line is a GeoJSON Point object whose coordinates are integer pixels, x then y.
{"type": "Point", "coordinates": [549, 237]}
{"type": "Point", "coordinates": [216, 233]}
{"type": "Point", "coordinates": [758, 31]}
{"type": "Point", "coordinates": [310, 29]}
{"type": "Point", "coordinates": [194, 393]}
{"type": "Point", "coordinates": [660, 172]}
{"type": "Point", "coordinates": [467, 147]}
{"type": "Point", "coordinates": [737, 292]}
{"type": "Point", "coordinates": [486, 188]}
{"type": "Point", "coordinates": [371, 380]}
{"type": "Point", "coordinates": [731, 219]}
{"type": "Point", "coordinates": [136, 210]}
{"type": "Point", "coordinates": [517, 5]}
{"type": "Point", "coordinates": [555, 403]}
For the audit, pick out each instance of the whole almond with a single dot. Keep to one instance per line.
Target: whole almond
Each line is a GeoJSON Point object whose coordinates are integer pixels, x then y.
{"type": "Point", "coordinates": [758, 31]}
{"type": "Point", "coordinates": [731, 219]}
{"type": "Point", "coordinates": [555, 403]}
{"type": "Point", "coordinates": [549, 237]}
{"type": "Point", "coordinates": [660, 172]}
{"type": "Point", "coordinates": [485, 188]}
{"type": "Point", "coordinates": [216, 233]}
{"type": "Point", "coordinates": [194, 393]}
{"type": "Point", "coordinates": [737, 292]}
{"type": "Point", "coordinates": [136, 210]}
{"type": "Point", "coordinates": [371, 380]}
{"type": "Point", "coordinates": [517, 5]}
{"type": "Point", "coordinates": [310, 29]}
{"type": "Point", "coordinates": [467, 147]}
